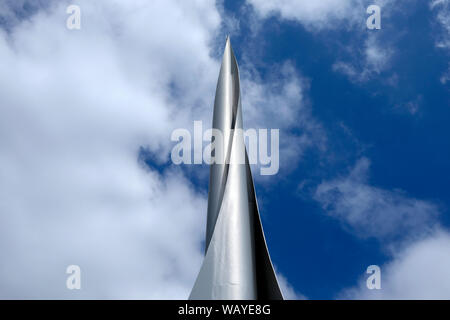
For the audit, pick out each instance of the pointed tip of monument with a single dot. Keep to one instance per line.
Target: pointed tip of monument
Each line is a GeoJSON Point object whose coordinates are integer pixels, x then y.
{"type": "Point", "coordinates": [227, 42]}
{"type": "Point", "coordinates": [228, 47]}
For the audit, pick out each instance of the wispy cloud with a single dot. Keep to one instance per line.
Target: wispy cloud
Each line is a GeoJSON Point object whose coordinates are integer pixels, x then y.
{"type": "Point", "coordinates": [412, 107]}
{"type": "Point", "coordinates": [280, 101]}
{"type": "Point", "coordinates": [313, 14]}
{"type": "Point", "coordinates": [442, 9]}
{"type": "Point", "coordinates": [363, 57]}
{"type": "Point", "coordinates": [442, 12]}
{"type": "Point", "coordinates": [418, 271]}
{"type": "Point", "coordinates": [370, 211]}
{"type": "Point", "coordinates": [368, 63]}
{"type": "Point", "coordinates": [406, 226]}
{"type": "Point", "coordinates": [289, 292]}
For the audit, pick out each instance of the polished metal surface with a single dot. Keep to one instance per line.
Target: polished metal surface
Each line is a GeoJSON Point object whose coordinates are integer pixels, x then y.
{"type": "Point", "coordinates": [237, 263]}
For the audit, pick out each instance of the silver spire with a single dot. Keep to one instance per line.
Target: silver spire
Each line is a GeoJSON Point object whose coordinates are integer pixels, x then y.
{"type": "Point", "coordinates": [237, 264]}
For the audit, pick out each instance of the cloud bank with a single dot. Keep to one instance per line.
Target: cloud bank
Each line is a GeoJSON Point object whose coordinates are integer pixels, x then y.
{"type": "Point", "coordinates": [78, 106]}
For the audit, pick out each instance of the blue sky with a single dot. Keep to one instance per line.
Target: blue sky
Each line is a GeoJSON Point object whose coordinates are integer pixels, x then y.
{"type": "Point", "coordinates": [87, 115]}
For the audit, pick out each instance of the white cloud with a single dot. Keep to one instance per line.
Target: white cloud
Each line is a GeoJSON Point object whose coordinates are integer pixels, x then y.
{"type": "Point", "coordinates": [446, 76]}
{"type": "Point", "coordinates": [289, 292]}
{"type": "Point", "coordinates": [365, 55]}
{"type": "Point", "coordinates": [367, 63]}
{"type": "Point", "coordinates": [371, 211]}
{"type": "Point", "coordinates": [419, 271]}
{"type": "Point", "coordinates": [313, 14]}
{"type": "Point", "coordinates": [76, 108]}
{"type": "Point", "coordinates": [442, 10]}
{"type": "Point", "coordinates": [320, 15]}
{"type": "Point", "coordinates": [408, 227]}
{"type": "Point", "coordinates": [12, 11]}
{"type": "Point", "coordinates": [280, 102]}
{"type": "Point", "coordinates": [412, 107]}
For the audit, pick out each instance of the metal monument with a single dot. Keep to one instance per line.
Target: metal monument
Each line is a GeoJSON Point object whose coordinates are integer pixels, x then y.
{"type": "Point", "coordinates": [237, 264]}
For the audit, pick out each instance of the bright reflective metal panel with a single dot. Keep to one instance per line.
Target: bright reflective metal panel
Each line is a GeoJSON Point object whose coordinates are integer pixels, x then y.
{"type": "Point", "coordinates": [237, 264]}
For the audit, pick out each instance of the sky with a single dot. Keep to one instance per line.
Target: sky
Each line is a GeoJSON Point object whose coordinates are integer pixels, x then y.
{"type": "Point", "coordinates": [87, 114]}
